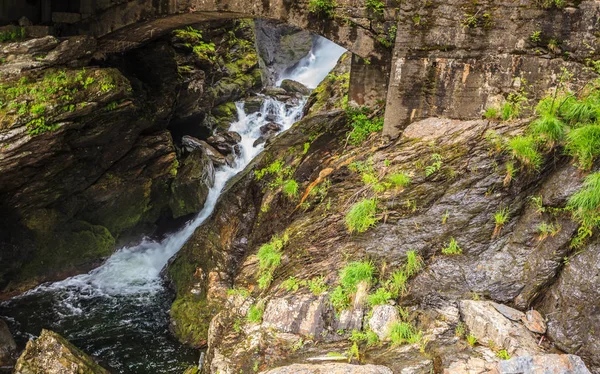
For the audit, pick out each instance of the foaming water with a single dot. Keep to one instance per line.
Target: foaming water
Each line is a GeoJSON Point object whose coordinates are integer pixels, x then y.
{"type": "Point", "coordinates": [314, 67]}
{"type": "Point", "coordinates": [118, 312]}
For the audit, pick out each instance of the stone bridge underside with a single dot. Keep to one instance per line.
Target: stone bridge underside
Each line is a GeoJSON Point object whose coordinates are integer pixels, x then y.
{"type": "Point", "coordinates": [451, 58]}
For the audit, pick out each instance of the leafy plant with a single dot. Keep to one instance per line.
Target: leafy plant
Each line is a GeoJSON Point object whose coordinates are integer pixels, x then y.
{"type": "Point", "coordinates": [9, 36]}
{"type": "Point", "coordinates": [349, 277]}
{"type": "Point", "coordinates": [435, 166]}
{"type": "Point", "coordinates": [375, 6]}
{"type": "Point", "coordinates": [491, 113]}
{"type": "Point", "coordinates": [362, 124]}
{"type": "Point", "coordinates": [500, 217]}
{"type": "Point", "coordinates": [472, 340]}
{"type": "Point", "coordinates": [362, 216]}
{"type": "Point", "coordinates": [452, 248]}
{"type": "Point", "coordinates": [290, 188]}
{"type": "Point", "coordinates": [399, 180]}
{"type": "Point", "coordinates": [536, 36]}
{"type": "Point", "coordinates": [460, 330]}
{"type": "Point", "coordinates": [317, 285]}
{"type": "Point", "coordinates": [255, 313]}
{"type": "Point", "coordinates": [513, 106]}
{"type": "Point", "coordinates": [324, 8]}
{"type": "Point", "coordinates": [549, 128]}
{"type": "Point", "coordinates": [547, 229]}
{"type": "Point", "coordinates": [503, 354]}
{"type": "Point", "coordinates": [414, 263]}
{"type": "Point", "coordinates": [291, 284]}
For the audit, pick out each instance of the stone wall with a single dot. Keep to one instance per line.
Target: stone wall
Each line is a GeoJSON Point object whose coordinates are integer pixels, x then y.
{"type": "Point", "coordinates": [455, 58]}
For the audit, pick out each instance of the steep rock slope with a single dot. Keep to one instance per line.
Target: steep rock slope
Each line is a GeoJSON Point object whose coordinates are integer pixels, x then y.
{"type": "Point", "coordinates": [268, 268]}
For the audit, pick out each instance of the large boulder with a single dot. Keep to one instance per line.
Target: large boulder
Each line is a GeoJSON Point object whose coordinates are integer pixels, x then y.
{"type": "Point", "coordinates": [291, 86]}
{"type": "Point", "coordinates": [191, 185]}
{"type": "Point", "coordinates": [53, 354]}
{"type": "Point", "coordinates": [488, 325]}
{"type": "Point", "coordinates": [225, 142]}
{"type": "Point", "coordinates": [8, 347]}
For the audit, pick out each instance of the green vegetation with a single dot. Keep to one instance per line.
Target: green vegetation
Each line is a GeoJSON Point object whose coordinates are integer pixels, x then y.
{"type": "Point", "coordinates": [290, 188]}
{"type": "Point", "coordinates": [585, 207]}
{"type": "Point", "coordinates": [193, 39]}
{"type": "Point", "coordinates": [375, 6]}
{"type": "Point", "coordinates": [363, 123]}
{"type": "Point", "coordinates": [525, 150]}
{"type": "Point", "coordinates": [472, 340]}
{"type": "Point", "coordinates": [546, 4]}
{"type": "Point", "coordinates": [460, 330]}
{"type": "Point", "coordinates": [399, 180]}
{"type": "Point", "coordinates": [500, 217]}
{"type": "Point", "coordinates": [583, 144]}
{"type": "Point", "coordinates": [513, 106]}
{"type": "Point", "coordinates": [349, 277]}
{"type": "Point", "coordinates": [291, 284]}
{"type": "Point", "coordinates": [323, 8]}
{"type": "Point", "coordinates": [53, 93]}
{"type": "Point", "coordinates": [404, 332]}
{"type": "Point", "coordinates": [435, 166]}
{"type": "Point", "coordinates": [369, 337]}
{"type": "Point", "coordinates": [547, 229]}
{"type": "Point", "coordinates": [317, 285]}
{"type": "Point", "coordinates": [536, 36]}
{"type": "Point", "coordinates": [503, 354]}
{"type": "Point", "coordinates": [362, 216]}
{"type": "Point", "coordinates": [491, 113]}
{"type": "Point", "coordinates": [452, 248]}
{"type": "Point", "coordinates": [269, 258]}
{"type": "Point", "coordinates": [11, 36]}
{"type": "Point", "coordinates": [380, 297]}
{"type": "Point", "coordinates": [255, 313]}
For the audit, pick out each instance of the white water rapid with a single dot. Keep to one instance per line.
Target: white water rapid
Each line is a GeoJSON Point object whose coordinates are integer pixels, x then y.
{"type": "Point", "coordinates": [118, 312]}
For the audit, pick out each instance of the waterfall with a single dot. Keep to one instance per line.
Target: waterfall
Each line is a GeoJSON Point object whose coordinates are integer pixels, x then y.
{"type": "Point", "coordinates": [119, 311]}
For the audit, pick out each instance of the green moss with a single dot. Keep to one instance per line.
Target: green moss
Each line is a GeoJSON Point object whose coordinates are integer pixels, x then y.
{"type": "Point", "coordinates": [192, 317]}
{"type": "Point", "coordinates": [63, 245]}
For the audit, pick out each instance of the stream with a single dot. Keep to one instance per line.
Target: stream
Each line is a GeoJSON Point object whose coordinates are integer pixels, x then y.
{"type": "Point", "coordinates": [119, 312]}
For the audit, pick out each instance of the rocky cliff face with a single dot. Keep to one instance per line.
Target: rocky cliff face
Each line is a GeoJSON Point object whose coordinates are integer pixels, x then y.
{"type": "Point", "coordinates": [90, 155]}
{"type": "Point", "coordinates": [458, 58]}
{"type": "Point", "coordinates": [273, 269]}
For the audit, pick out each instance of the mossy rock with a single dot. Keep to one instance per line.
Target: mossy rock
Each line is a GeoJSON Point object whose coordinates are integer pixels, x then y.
{"type": "Point", "coordinates": [191, 316]}
{"type": "Point", "coordinates": [53, 354]}
{"type": "Point", "coordinates": [190, 188]}
{"type": "Point", "coordinates": [63, 245]}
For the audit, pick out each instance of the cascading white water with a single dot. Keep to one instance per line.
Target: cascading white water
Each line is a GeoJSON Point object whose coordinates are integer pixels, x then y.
{"type": "Point", "coordinates": [315, 66]}
{"type": "Point", "coordinates": [119, 311]}
{"type": "Point", "coordinates": [135, 270]}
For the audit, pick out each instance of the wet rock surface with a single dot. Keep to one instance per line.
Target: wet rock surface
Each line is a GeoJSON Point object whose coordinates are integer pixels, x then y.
{"type": "Point", "coordinates": [52, 354]}
{"type": "Point", "coordinates": [293, 87]}
{"type": "Point", "coordinates": [8, 347]}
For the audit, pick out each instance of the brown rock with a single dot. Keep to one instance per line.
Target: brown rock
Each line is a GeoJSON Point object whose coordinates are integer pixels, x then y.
{"type": "Point", "coordinates": [8, 347]}
{"type": "Point", "coordinates": [534, 321]}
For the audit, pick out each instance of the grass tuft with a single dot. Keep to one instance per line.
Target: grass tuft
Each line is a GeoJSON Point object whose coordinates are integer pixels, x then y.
{"type": "Point", "coordinates": [525, 150]}
{"type": "Point", "coordinates": [361, 216]}
{"type": "Point", "coordinates": [452, 248]}
{"type": "Point", "coordinates": [583, 144]}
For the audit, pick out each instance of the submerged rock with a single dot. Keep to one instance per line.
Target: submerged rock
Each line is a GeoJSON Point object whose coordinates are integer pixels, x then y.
{"type": "Point", "coordinates": [53, 354]}
{"type": "Point", "coordinates": [8, 347]}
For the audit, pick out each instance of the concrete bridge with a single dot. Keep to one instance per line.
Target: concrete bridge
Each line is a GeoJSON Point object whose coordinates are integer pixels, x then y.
{"type": "Point", "coordinates": [451, 58]}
